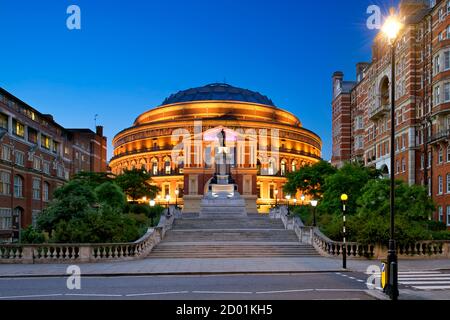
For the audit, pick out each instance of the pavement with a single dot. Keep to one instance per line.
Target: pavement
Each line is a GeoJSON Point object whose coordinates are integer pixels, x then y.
{"type": "Point", "coordinates": [215, 266]}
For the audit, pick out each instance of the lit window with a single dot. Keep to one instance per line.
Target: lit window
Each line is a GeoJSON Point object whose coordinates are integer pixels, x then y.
{"type": "Point", "coordinates": [45, 142]}
{"type": "Point", "coordinates": [283, 168]}
{"type": "Point", "coordinates": [155, 168]}
{"type": "Point", "coordinates": [18, 128]}
{"type": "Point", "coordinates": [3, 121]}
{"type": "Point", "coordinates": [167, 167]}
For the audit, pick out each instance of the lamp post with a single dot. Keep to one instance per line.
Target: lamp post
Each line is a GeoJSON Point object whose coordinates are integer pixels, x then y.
{"type": "Point", "coordinates": [168, 199]}
{"type": "Point", "coordinates": [344, 199]}
{"type": "Point", "coordinates": [303, 199]}
{"type": "Point", "coordinates": [288, 197]}
{"type": "Point", "coordinates": [276, 198]}
{"type": "Point", "coordinates": [391, 29]}
{"type": "Point", "coordinates": [295, 203]}
{"type": "Point", "coordinates": [314, 204]}
{"type": "Point", "coordinates": [177, 192]}
{"type": "Point", "coordinates": [152, 205]}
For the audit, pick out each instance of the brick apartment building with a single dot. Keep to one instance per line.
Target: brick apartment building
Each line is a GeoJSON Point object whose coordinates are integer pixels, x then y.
{"type": "Point", "coordinates": [37, 155]}
{"type": "Point", "coordinates": [361, 108]}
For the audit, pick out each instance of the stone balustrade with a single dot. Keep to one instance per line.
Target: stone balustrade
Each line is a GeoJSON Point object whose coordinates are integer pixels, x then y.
{"type": "Point", "coordinates": [330, 248]}
{"type": "Point", "coordinates": [87, 253]}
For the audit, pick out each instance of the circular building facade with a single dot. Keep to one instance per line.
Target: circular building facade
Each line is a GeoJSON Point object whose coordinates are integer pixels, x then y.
{"type": "Point", "coordinates": [177, 143]}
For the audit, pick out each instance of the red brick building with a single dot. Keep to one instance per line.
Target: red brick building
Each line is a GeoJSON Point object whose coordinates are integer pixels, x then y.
{"type": "Point", "coordinates": [37, 155]}
{"type": "Point", "coordinates": [361, 108]}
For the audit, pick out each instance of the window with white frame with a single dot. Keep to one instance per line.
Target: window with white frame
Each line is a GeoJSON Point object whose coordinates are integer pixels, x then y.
{"type": "Point", "coordinates": [6, 153]}
{"type": "Point", "coordinates": [46, 167]}
{"type": "Point", "coordinates": [448, 216]}
{"type": "Point", "coordinates": [437, 65]}
{"type": "Point", "coordinates": [437, 95]}
{"type": "Point", "coordinates": [430, 156]}
{"type": "Point", "coordinates": [403, 165]}
{"type": "Point", "coordinates": [45, 191]}
{"type": "Point", "coordinates": [18, 186]}
{"type": "Point", "coordinates": [447, 92]}
{"type": "Point", "coordinates": [359, 124]}
{"type": "Point", "coordinates": [36, 189]}
{"type": "Point", "coordinates": [5, 183]}
{"type": "Point", "coordinates": [422, 161]}
{"type": "Point", "coordinates": [5, 219]}
{"type": "Point", "coordinates": [448, 182]}
{"type": "Point", "coordinates": [19, 158]}
{"type": "Point", "coordinates": [447, 57]}
{"type": "Point", "coordinates": [441, 214]}
{"type": "Point", "coordinates": [283, 168]}
{"type": "Point", "coordinates": [441, 155]}
{"type": "Point", "coordinates": [440, 185]}
{"type": "Point", "coordinates": [60, 171]}
{"type": "Point", "coordinates": [36, 163]}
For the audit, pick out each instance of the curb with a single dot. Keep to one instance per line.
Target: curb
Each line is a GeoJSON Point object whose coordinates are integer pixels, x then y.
{"type": "Point", "coordinates": [156, 274]}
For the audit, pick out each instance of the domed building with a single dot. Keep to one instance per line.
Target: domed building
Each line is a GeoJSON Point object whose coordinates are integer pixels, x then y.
{"type": "Point", "coordinates": [177, 143]}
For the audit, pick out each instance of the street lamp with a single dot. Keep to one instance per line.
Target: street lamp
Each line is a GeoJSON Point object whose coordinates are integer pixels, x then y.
{"type": "Point", "coordinates": [344, 199]}
{"type": "Point", "coordinates": [314, 204]}
{"type": "Point", "coordinates": [295, 203]}
{"type": "Point", "coordinates": [391, 29]}
{"type": "Point", "coordinates": [288, 197]}
{"type": "Point", "coordinates": [152, 203]}
{"type": "Point", "coordinates": [303, 199]}
{"type": "Point", "coordinates": [177, 192]}
{"type": "Point", "coordinates": [276, 198]}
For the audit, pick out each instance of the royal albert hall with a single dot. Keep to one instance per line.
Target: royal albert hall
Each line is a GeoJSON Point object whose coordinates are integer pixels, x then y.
{"type": "Point", "coordinates": [177, 142]}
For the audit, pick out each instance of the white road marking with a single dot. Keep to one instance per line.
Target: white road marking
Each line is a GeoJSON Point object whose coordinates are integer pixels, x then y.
{"type": "Point", "coordinates": [341, 290]}
{"type": "Point", "coordinates": [353, 278]}
{"type": "Point", "coordinates": [360, 280]}
{"type": "Point", "coordinates": [423, 279]}
{"type": "Point", "coordinates": [155, 293]}
{"type": "Point", "coordinates": [425, 282]}
{"type": "Point", "coordinates": [220, 292]}
{"type": "Point", "coordinates": [285, 291]}
{"type": "Point", "coordinates": [92, 295]}
{"type": "Point", "coordinates": [432, 287]}
{"type": "Point", "coordinates": [34, 296]}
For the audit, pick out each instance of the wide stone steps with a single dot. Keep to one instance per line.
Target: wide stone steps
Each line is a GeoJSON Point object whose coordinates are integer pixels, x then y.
{"type": "Point", "coordinates": [199, 251]}
{"type": "Point", "coordinates": [223, 224]}
{"type": "Point", "coordinates": [274, 235]}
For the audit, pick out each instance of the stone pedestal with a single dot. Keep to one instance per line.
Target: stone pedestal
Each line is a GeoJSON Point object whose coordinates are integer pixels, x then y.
{"type": "Point", "coordinates": [223, 204]}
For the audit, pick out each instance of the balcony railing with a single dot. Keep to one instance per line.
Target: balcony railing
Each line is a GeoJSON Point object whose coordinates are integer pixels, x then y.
{"type": "Point", "coordinates": [442, 135]}
{"type": "Point", "coordinates": [379, 112]}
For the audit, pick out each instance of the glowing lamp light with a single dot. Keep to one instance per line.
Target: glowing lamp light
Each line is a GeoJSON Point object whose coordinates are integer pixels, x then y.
{"type": "Point", "coordinates": [167, 198]}
{"type": "Point", "coordinates": [152, 203]}
{"type": "Point", "coordinates": [391, 27]}
{"type": "Point", "coordinates": [302, 198]}
{"type": "Point", "coordinates": [344, 197]}
{"type": "Point", "coordinates": [288, 197]}
{"type": "Point", "coordinates": [314, 203]}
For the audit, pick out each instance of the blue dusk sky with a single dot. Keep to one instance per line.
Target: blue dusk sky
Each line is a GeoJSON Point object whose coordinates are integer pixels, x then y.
{"type": "Point", "coordinates": [130, 55]}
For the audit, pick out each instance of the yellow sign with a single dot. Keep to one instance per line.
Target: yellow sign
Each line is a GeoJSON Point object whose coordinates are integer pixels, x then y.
{"type": "Point", "coordinates": [384, 271]}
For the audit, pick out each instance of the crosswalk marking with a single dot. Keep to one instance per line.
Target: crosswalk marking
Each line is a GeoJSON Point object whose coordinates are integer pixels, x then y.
{"type": "Point", "coordinates": [425, 280]}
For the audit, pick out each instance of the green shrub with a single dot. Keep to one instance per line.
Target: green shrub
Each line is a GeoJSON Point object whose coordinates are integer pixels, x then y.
{"type": "Point", "coordinates": [31, 235]}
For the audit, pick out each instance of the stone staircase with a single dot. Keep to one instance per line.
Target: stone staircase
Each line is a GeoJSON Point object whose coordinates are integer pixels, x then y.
{"type": "Point", "coordinates": [220, 237]}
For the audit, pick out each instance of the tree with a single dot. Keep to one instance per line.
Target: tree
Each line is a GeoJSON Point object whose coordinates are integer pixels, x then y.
{"type": "Point", "coordinates": [93, 179]}
{"type": "Point", "coordinates": [72, 200]}
{"type": "Point", "coordinates": [135, 183]}
{"type": "Point", "coordinates": [412, 209]}
{"type": "Point", "coordinates": [350, 179]}
{"type": "Point", "coordinates": [110, 194]}
{"type": "Point", "coordinates": [309, 180]}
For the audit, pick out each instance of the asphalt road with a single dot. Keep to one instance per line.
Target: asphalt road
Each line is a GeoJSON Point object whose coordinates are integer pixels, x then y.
{"type": "Point", "coordinates": [320, 286]}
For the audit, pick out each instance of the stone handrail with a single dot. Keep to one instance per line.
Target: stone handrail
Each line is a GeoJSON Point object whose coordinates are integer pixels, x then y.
{"type": "Point", "coordinates": [327, 247]}
{"type": "Point", "coordinates": [86, 253]}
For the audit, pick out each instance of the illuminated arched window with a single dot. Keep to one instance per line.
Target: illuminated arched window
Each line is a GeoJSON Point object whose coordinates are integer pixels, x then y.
{"type": "Point", "coordinates": [154, 167]}
{"type": "Point", "coordinates": [294, 166]}
{"type": "Point", "coordinates": [271, 169]}
{"type": "Point", "coordinates": [167, 166]}
{"type": "Point", "coordinates": [283, 167]}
